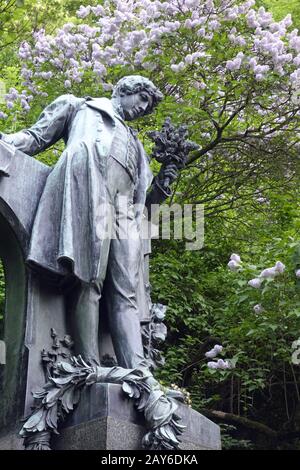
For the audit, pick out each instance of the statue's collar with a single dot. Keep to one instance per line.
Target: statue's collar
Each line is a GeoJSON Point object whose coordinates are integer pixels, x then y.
{"type": "Point", "coordinates": [102, 104]}
{"type": "Point", "coordinates": [105, 105]}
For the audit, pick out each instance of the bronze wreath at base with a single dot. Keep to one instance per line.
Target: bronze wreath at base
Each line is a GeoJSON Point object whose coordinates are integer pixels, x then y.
{"type": "Point", "coordinates": [62, 393]}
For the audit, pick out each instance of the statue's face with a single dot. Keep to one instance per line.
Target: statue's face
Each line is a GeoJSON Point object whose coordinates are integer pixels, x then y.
{"type": "Point", "coordinates": [135, 105]}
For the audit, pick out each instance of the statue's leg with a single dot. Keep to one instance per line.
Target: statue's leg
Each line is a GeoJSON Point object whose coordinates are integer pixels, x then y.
{"type": "Point", "coordinates": [85, 320]}
{"type": "Point", "coordinates": [123, 314]}
{"type": "Point", "coordinates": [122, 278]}
{"type": "Point", "coordinates": [84, 311]}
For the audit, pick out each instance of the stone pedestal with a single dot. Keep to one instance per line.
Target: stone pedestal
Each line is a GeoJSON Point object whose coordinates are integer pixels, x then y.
{"type": "Point", "coordinates": [106, 419]}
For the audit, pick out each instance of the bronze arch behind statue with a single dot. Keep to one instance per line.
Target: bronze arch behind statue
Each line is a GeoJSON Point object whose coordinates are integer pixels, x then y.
{"type": "Point", "coordinates": [12, 387]}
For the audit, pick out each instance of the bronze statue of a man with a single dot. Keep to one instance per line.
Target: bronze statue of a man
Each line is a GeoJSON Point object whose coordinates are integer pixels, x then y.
{"type": "Point", "coordinates": [103, 163]}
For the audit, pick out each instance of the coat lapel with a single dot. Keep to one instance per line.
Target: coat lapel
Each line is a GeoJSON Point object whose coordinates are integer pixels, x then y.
{"type": "Point", "coordinates": [102, 104]}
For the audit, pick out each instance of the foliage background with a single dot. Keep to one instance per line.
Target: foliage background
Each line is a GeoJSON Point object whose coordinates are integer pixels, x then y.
{"type": "Point", "coordinates": [207, 303]}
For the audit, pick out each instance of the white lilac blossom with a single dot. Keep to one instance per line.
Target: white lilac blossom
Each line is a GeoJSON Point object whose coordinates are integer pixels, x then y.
{"type": "Point", "coordinates": [212, 365]}
{"type": "Point", "coordinates": [297, 273]}
{"type": "Point", "coordinates": [258, 308]}
{"type": "Point", "coordinates": [214, 351]}
{"type": "Point", "coordinates": [220, 364]}
{"type": "Point", "coordinates": [256, 283]}
{"type": "Point", "coordinates": [233, 265]}
{"type": "Point", "coordinates": [224, 364]}
{"type": "Point", "coordinates": [273, 271]}
{"type": "Point", "coordinates": [234, 262]}
{"type": "Point", "coordinates": [211, 354]}
{"type": "Point", "coordinates": [268, 273]}
{"type": "Point", "coordinates": [178, 67]}
{"type": "Point", "coordinates": [235, 257]}
{"type": "Point", "coordinates": [262, 200]}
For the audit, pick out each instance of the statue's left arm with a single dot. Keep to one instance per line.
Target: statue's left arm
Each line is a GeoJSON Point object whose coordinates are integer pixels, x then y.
{"type": "Point", "coordinates": [49, 128]}
{"type": "Point", "coordinates": [159, 191]}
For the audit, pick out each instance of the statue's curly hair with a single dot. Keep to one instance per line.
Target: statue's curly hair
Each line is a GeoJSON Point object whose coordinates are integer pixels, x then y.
{"type": "Point", "coordinates": [133, 84]}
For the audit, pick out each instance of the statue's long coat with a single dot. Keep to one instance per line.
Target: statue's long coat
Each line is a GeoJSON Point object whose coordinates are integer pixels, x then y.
{"type": "Point", "coordinates": [64, 233]}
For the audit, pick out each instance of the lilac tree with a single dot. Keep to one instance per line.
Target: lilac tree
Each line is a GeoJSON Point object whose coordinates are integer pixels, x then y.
{"type": "Point", "coordinates": [226, 68]}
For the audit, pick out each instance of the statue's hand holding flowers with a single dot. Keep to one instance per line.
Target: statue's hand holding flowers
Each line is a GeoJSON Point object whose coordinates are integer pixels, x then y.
{"type": "Point", "coordinates": [171, 150]}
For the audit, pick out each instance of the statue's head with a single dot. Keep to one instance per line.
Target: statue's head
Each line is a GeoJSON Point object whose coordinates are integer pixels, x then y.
{"type": "Point", "coordinates": [136, 96]}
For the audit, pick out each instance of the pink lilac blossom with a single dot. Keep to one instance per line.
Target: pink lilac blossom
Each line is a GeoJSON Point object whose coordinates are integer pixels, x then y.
{"type": "Point", "coordinates": [83, 12]}
{"type": "Point", "coordinates": [98, 10]}
{"type": "Point", "coordinates": [269, 273]}
{"type": "Point", "coordinates": [14, 96]}
{"type": "Point", "coordinates": [236, 63]}
{"type": "Point", "coordinates": [280, 267]}
{"type": "Point", "coordinates": [296, 60]}
{"type": "Point", "coordinates": [256, 283]}
{"type": "Point", "coordinates": [124, 32]}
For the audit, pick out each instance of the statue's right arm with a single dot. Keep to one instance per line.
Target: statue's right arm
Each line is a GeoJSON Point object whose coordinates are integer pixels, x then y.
{"type": "Point", "coordinates": [49, 128]}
